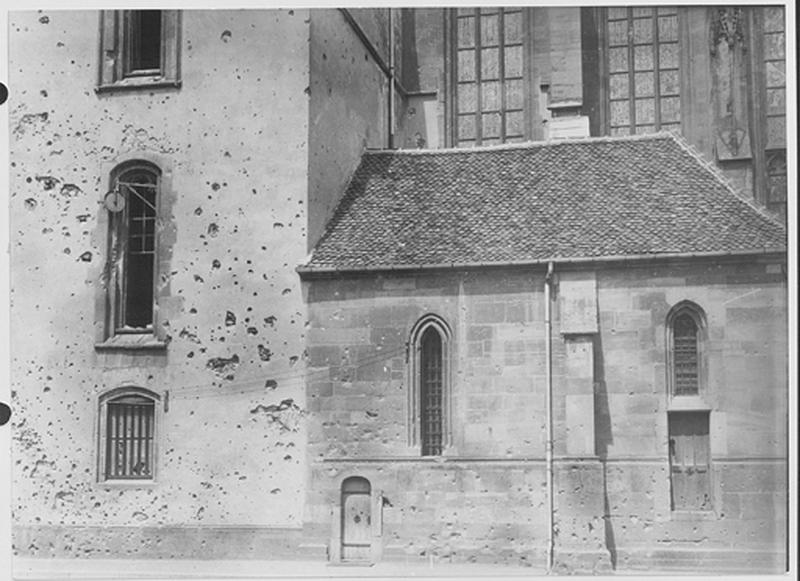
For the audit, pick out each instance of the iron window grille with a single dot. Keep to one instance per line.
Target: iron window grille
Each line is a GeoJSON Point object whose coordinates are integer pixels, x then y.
{"type": "Point", "coordinates": [128, 435]}
{"type": "Point", "coordinates": [686, 332]}
{"type": "Point", "coordinates": [430, 373]}
{"type": "Point", "coordinates": [685, 356]}
{"type": "Point", "coordinates": [431, 393]}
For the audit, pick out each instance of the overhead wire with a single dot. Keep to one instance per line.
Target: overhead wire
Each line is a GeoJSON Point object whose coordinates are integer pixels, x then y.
{"type": "Point", "coordinates": [220, 387]}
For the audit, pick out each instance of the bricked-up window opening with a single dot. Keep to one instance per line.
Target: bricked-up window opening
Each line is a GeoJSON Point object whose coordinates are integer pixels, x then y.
{"type": "Point", "coordinates": [644, 72]}
{"type": "Point", "coordinates": [129, 437]}
{"type": "Point", "coordinates": [689, 458]}
{"type": "Point", "coordinates": [133, 253]}
{"type": "Point", "coordinates": [143, 42]}
{"type": "Point", "coordinates": [489, 71]}
{"type": "Point", "coordinates": [776, 183]}
{"type": "Point", "coordinates": [431, 393]}
{"type": "Point", "coordinates": [685, 355]}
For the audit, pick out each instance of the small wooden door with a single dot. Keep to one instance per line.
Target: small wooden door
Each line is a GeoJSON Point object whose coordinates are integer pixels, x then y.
{"type": "Point", "coordinates": [689, 460]}
{"type": "Point", "coordinates": [356, 519]}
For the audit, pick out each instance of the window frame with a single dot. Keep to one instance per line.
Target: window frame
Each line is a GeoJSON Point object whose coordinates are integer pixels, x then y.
{"type": "Point", "coordinates": [691, 309]}
{"type": "Point", "coordinates": [452, 50]}
{"type": "Point", "coordinates": [777, 158]}
{"type": "Point", "coordinates": [415, 404]}
{"type": "Point", "coordinates": [114, 72]}
{"type": "Point", "coordinates": [658, 95]}
{"type": "Point", "coordinates": [117, 268]}
{"type": "Point", "coordinates": [111, 397]}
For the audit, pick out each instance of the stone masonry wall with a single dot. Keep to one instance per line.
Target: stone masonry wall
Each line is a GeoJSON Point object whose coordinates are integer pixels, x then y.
{"type": "Point", "coordinates": [612, 490]}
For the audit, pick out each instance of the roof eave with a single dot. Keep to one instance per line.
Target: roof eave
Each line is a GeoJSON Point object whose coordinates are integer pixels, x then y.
{"type": "Point", "coordinates": [307, 271]}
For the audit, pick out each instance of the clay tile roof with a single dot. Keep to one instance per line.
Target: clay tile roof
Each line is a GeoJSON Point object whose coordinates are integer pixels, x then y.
{"type": "Point", "coordinates": [576, 199]}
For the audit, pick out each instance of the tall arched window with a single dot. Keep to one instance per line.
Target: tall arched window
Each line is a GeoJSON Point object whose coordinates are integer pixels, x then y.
{"type": "Point", "coordinates": [686, 330]}
{"type": "Point", "coordinates": [431, 392]}
{"type": "Point", "coordinates": [128, 434]}
{"type": "Point", "coordinates": [431, 379]}
{"type": "Point", "coordinates": [133, 205]}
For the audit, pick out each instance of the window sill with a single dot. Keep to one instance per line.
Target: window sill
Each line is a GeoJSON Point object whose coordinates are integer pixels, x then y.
{"type": "Point", "coordinates": [693, 515]}
{"type": "Point", "coordinates": [680, 403]}
{"type": "Point", "coordinates": [127, 483]}
{"type": "Point", "coordinates": [141, 83]}
{"type": "Point", "coordinates": [132, 342]}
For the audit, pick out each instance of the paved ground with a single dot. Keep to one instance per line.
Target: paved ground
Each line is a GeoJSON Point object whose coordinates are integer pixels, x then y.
{"type": "Point", "coordinates": [30, 569]}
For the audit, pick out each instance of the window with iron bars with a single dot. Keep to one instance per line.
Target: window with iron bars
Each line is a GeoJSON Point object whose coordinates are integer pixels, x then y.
{"type": "Point", "coordinates": [128, 435]}
{"type": "Point", "coordinates": [686, 330]}
{"type": "Point", "coordinates": [431, 393]}
{"type": "Point", "coordinates": [684, 355]}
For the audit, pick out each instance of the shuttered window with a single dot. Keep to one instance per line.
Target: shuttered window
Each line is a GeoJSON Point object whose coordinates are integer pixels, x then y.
{"type": "Point", "coordinates": [642, 54]}
{"type": "Point", "coordinates": [489, 72]}
{"type": "Point", "coordinates": [431, 393]}
{"type": "Point", "coordinates": [689, 457]}
{"type": "Point", "coordinates": [685, 355]}
{"type": "Point", "coordinates": [129, 438]}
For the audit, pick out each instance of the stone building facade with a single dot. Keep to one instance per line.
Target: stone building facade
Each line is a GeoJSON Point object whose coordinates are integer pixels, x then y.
{"type": "Point", "coordinates": [183, 392]}
{"type": "Point", "coordinates": [614, 298]}
{"type": "Point", "coordinates": [158, 355]}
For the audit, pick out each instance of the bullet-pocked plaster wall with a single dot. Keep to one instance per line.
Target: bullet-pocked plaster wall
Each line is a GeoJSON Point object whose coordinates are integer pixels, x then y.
{"type": "Point", "coordinates": [232, 145]}
{"type": "Point", "coordinates": [485, 498]}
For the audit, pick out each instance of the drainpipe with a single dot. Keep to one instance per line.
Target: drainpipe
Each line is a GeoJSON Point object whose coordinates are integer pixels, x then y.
{"type": "Point", "coordinates": [548, 280]}
{"type": "Point", "coordinates": [391, 78]}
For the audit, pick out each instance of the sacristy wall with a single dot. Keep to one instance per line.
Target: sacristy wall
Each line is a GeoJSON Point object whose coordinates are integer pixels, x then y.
{"type": "Point", "coordinates": [484, 498]}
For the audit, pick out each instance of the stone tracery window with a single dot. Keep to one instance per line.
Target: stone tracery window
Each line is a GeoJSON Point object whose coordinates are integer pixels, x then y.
{"type": "Point", "coordinates": [642, 54]}
{"type": "Point", "coordinates": [489, 74]}
{"type": "Point", "coordinates": [777, 188]}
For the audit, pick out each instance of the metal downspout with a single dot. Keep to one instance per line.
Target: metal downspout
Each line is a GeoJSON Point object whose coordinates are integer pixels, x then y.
{"type": "Point", "coordinates": [549, 414]}
{"type": "Point", "coordinates": [391, 78]}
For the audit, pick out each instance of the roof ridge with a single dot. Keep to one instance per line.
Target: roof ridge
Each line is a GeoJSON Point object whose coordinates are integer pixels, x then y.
{"type": "Point", "coordinates": [723, 179]}
{"type": "Point", "coordinates": [522, 145]}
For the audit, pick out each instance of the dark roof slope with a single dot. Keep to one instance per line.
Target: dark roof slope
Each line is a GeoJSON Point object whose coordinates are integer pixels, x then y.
{"type": "Point", "coordinates": [582, 199]}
